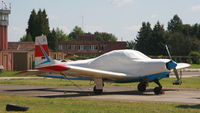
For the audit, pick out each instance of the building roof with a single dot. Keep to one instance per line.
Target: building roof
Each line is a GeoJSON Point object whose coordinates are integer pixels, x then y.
{"type": "Point", "coordinates": [21, 46]}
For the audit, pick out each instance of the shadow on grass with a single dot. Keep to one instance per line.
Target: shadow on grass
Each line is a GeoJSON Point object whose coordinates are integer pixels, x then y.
{"type": "Point", "coordinates": [71, 92]}
{"type": "Point", "coordinates": [197, 106]}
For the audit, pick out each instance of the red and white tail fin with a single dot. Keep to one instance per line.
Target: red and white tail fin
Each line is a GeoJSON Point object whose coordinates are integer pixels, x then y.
{"type": "Point", "coordinates": [42, 52]}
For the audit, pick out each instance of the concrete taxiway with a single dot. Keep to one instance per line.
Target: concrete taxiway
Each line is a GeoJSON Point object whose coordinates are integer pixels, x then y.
{"type": "Point", "coordinates": [118, 93]}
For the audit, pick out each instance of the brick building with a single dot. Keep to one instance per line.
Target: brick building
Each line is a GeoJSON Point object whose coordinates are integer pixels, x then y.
{"type": "Point", "coordinates": [17, 55]}
{"type": "Point", "coordinates": [20, 56]}
{"type": "Point", "coordinates": [88, 45]}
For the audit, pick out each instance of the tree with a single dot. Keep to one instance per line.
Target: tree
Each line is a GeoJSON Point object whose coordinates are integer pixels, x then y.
{"type": "Point", "coordinates": [187, 29]}
{"type": "Point", "coordinates": [196, 30]}
{"type": "Point", "coordinates": [76, 31]}
{"type": "Point", "coordinates": [56, 36]}
{"type": "Point", "coordinates": [130, 44]}
{"type": "Point", "coordinates": [60, 35]}
{"type": "Point", "coordinates": [103, 36]}
{"type": "Point", "coordinates": [175, 24]}
{"type": "Point", "coordinates": [52, 40]}
{"type": "Point", "coordinates": [158, 40]}
{"type": "Point", "coordinates": [182, 45]}
{"type": "Point", "coordinates": [143, 37]}
{"type": "Point", "coordinates": [43, 23]}
{"type": "Point", "coordinates": [26, 38]}
{"type": "Point", "coordinates": [32, 27]}
{"type": "Point", "coordinates": [38, 24]}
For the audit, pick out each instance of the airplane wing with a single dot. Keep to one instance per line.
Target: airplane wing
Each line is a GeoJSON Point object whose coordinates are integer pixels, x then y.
{"type": "Point", "coordinates": [76, 71]}
{"type": "Point", "coordinates": [182, 65]}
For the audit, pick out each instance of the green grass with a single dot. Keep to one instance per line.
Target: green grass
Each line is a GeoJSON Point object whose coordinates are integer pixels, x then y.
{"type": "Point", "coordinates": [167, 83]}
{"type": "Point", "coordinates": [66, 105]}
{"type": "Point", "coordinates": [46, 82]}
{"type": "Point", "coordinates": [13, 74]}
{"type": "Point", "coordinates": [195, 66]}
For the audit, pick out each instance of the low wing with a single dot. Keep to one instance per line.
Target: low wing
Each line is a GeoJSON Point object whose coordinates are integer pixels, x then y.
{"type": "Point", "coordinates": [78, 72]}
{"type": "Point", "coordinates": [182, 65]}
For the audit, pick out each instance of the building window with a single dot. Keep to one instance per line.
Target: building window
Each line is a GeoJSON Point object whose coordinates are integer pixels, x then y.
{"type": "Point", "coordinates": [102, 47]}
{"type": "Point", "coordinates": [81, 47]}
{"type": "Point", "coordinates": [73, 47]}
{"type": "Point", "coordinates": [93, 47]}
{"type": "Point", "coordinates": [87, 47]}
{"type": "Point", "coordinates": [77, 47]}
{"type": "Point", "coordinates": [68, 47]}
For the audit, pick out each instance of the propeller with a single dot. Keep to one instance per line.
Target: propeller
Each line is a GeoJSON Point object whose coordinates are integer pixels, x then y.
{"type": "Point", "coordinates": [172, 65]}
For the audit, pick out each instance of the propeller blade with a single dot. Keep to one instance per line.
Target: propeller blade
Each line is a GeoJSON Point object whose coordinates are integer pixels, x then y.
{"type": "Point", "coordinates": [168, 52]}
{"type": "Point", "coordinates": [178, 79]}
{"type": "Point", "coordinates": [176, 73]}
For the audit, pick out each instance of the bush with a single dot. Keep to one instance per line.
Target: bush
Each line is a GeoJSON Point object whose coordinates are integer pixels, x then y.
{"type": "Point", "coordinates": [195, 57]}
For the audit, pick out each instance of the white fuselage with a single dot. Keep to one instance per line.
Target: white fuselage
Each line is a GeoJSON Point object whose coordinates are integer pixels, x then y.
{"type": "Point", "coordinates": [132, 63]}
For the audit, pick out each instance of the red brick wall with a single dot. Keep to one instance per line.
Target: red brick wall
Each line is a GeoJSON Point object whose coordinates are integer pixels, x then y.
{"type": "Point", "coordinates": [3, 38]}
{"type": "Point", "coordinates": [6, 60]}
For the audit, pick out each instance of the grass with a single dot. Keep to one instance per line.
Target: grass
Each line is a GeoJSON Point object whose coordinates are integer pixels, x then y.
{"type": "Point", "coordinates": [195, 66]}
{"type": "Point", "coordinates": [13, 74]}
{"type": "Point", "coordinates": [66, 105]}
{"type": "Point", "coordinates": [167, 83]}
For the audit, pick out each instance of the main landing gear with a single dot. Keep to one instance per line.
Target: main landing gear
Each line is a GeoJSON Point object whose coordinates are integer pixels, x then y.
{"type": "Point", "coordinates": [143, 85]}
{"type": "Point", "coordinates": [158, 90]}
{"type": "Point", "coordinates": [98, 88]}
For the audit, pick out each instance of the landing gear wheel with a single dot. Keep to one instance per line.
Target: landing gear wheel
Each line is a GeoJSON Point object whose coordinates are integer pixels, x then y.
{"type": "Point", "coordinates": [97, 91]}
{"type": "Point", "coordinates": [142, 86]}
{"type": "Point", "coordinates": [157, 90]}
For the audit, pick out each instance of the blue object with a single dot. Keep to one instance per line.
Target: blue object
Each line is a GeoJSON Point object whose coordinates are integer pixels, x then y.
{"type": "Point", "coordinates": [171, 65]}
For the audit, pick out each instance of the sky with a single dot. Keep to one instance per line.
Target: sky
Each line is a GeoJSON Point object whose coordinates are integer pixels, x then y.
{"type": "Point", "coordinates": [123, 18]}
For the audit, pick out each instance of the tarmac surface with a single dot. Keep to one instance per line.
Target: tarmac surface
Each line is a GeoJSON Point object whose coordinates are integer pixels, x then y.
{"type": "Point", "coordinates": [114, 93]}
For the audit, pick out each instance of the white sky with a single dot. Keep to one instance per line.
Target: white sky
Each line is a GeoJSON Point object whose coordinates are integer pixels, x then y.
{"type": "Point", "coordinates": [123, 18]}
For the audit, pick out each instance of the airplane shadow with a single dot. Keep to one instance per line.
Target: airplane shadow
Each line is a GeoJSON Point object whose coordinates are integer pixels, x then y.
{"type": "Point", "coordinates": [197, 106]}
{"type": "Point", "coordinates": [80, 93]}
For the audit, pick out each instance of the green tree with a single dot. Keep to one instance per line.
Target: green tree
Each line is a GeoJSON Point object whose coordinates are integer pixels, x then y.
{"type": "Point", "coordinates": [187, 30]}
{"type": "Point", "coordinates": [103, 36]}
{"type": "Point", "coordinates": [131, 44]}
{"type": "Point", "coordinates": [52, 40]}
{"type": "Point", "coordinates": [157, 41]}
{"type": "Point", "coordinates": [196, 30]}
{"type": "Point", "coordinates": [38, 24]}
{"type": "Point", "coordinates": [26, 38]}
{"type": "Point", "coordinates": [60, 35]}
{"type": "Point", "coordinates": [143, 37]}
{"type": "Point", "coordinates": [56, 36]}
{"type": "Point", "coordinates": [182, 45]}
{"type": "Point", "coordinates": [76, 31]}
{"type": "Point", "coordinates": [175, 24]}
{"type": "Point", "coordinates": [32, 27]}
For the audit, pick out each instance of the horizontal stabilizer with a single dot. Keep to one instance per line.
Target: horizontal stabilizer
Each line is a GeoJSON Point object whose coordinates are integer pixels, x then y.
{"type": "Point", "coordinates": [31, 72]}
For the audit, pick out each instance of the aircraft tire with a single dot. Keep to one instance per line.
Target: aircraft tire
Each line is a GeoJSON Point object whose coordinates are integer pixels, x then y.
{"type": "Point", "coordinates": [157, 90]}
{"type": "Point", "coordinates": [142, 86]}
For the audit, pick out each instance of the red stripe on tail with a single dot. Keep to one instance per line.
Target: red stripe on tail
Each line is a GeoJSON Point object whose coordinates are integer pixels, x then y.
{"type": "Point", "coordinates": [38, 51]}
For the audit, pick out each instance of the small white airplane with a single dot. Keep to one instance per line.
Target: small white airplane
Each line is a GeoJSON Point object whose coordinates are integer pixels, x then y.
{"type": "Point", "coordinates": [120, 66]}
